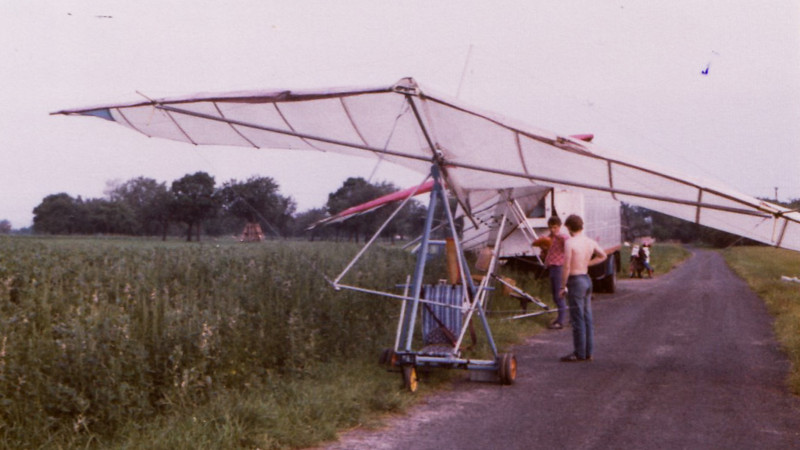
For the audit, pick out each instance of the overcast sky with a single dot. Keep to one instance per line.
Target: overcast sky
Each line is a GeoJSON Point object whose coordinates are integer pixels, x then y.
{"type": "Point", "coordinates": [631, 72]}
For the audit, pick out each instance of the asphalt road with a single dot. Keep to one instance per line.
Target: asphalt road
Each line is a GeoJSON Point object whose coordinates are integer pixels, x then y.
{"type": "Point", "coordinates": [685, 360]}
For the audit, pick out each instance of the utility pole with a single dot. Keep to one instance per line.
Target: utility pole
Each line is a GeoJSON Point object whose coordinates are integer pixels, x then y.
{"type": "Point", "coordinates": [776, 194]}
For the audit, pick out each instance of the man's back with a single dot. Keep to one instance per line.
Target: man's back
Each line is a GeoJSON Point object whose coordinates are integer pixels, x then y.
{"type": "Point", "coordinates": [581, 249]}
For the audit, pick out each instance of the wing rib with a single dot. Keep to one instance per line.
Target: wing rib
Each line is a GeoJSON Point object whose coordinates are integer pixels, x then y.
{"type": "Point", "coordinates": [233, 127]}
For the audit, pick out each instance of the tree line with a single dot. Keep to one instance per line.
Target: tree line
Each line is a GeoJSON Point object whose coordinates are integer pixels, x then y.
{"type": "Point", "coordinates": [195, 205]}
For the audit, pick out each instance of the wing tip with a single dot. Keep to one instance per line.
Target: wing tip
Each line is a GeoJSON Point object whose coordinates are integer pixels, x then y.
{"type": "Point", "coordinates": [103, 113]}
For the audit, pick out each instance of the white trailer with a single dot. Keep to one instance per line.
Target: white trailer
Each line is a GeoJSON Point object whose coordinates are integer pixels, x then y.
{"type": "Point", "coordinates": [530, 210]}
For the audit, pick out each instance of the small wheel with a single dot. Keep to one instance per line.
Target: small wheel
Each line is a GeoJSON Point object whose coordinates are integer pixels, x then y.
{"type": "Point", "coordinates": [507, 369]}
{"type": "Point", "coordinates": [410, 378]}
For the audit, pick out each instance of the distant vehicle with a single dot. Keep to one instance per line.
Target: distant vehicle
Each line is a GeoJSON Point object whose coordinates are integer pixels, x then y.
{"type": "Point", "coordinates": [534, 207]}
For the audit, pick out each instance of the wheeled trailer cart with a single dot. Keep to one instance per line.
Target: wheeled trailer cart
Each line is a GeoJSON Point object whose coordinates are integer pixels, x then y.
{"type": "Point", "coordinates": [446, 311]}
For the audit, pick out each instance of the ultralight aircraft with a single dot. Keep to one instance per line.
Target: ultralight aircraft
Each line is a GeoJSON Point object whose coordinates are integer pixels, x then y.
{"type": "Point", "coordinates": [472, 154]}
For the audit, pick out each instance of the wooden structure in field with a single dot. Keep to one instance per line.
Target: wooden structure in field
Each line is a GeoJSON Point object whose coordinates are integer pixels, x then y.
{"type": "Point", "coordinates": [252, 233]}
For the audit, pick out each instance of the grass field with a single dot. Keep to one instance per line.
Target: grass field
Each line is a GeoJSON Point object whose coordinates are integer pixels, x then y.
{"type": "Point", "coordinates": [115, 343]}
{"type": "Point", "coordinates": [762, 268]}
{"type": "Point", "coordinates": [100, 336]}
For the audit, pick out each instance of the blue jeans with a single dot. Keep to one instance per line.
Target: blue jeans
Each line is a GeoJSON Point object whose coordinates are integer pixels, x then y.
{"type": "Point", "coordinates": [555, 285]}
{"type": "Point", "coordinates": [579, 297]}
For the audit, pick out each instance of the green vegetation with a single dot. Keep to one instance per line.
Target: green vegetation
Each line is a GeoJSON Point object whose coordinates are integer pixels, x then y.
{"type": "Point", "coordinates": [284, 411]}
{"type": "Point", "coordinates": [762, 268]}
{"type": "Point", "coordinates": [195, 205]}
{"type": "Point", "coordinates": [98, 335]}
{"type": "Point", "coordinates": [123, 343]}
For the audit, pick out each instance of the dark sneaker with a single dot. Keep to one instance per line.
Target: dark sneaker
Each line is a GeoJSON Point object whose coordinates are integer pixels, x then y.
{"type": "Point", "coordinates": [574, 358]}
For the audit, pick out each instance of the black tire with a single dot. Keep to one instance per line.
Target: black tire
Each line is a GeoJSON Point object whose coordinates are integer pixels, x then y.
{"type": "Point", "coordinates": [507, 369]}
{"type": "Point", "coordinates": [608, 283]}
{"type": "Point", "coordinates": [410, 378]}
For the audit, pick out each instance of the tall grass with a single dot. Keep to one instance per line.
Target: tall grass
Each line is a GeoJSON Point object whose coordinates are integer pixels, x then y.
{"type": "Point", "coordinates": [95, 336]}
{"type": "Point", "coordinates": [282, 412]}
{"type": "Point", "coordinates": [762, 268]}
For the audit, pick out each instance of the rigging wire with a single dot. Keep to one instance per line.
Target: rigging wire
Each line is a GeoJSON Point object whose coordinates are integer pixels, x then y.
{"type": "Point", "coordinates": [404, 108]}
{"type": "Point", "coordinates": [464, 72]}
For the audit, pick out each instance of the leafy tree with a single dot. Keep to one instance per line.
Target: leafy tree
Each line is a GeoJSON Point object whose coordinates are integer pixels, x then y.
{"type": "Point", "coordinates": [5, 226]}
{"type": "Point", "coordinates": [636, 221]}
{"type": "Point", "coordinates": [194, 200]}
{"type": "Point", "coordinates": [355, 191]}
{"type": "Point", "coordinates": [258, 200]}
{"type": "Point", "coordinates": [57, 214]}
{"type": "Point", "coordinates": [305, 219]}
{"type": "Point", "coordinates": [107, 217]}
{"type": "Point", "coordinates": [411, 221]}
{"type": "Point", "coordinates": [148, 200]}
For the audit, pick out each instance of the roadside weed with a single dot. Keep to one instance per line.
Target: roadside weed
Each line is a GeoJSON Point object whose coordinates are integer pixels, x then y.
{"type": "Point", "coordinates": [762, 268]}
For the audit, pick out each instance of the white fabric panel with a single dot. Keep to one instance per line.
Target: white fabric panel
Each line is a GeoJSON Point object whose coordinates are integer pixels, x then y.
{"type": "Point", "coordinates": [761, 229]}
{"type": "Point", "coordinates": [204, 131]}
{"type": "Point", "coordinates": [469, 139]}
{"type": "Point", "coordinates": [553, 162]}
{"type": "Point", "coordinates": [685, 212]}
{"type": "Point", "coordinates": [386, 122]}
{"type": "Point", "coordinates": [149, 121]}
{"type": "Point", "coordinates": [758, 228]}
{"type": "Point", "coordinates": [325, 118]}
{"type": "Point", "coordinates": [262, 114]}
{"type": "Point", "coordinates": [635, 180]}
{"type": "Point", "coordinates": [791, 237]}
{"type": "Point", "coordinates": [739, 202]}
